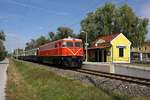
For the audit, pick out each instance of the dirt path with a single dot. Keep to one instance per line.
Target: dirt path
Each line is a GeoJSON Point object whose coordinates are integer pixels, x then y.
{"type": "Point", "coordinates": [3, 77]}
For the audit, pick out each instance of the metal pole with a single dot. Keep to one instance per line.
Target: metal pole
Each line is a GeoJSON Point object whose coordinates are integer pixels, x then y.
{"type": "Point", "coordinates": [18, 43]}
{"type": "Point", "coordinates": [86, 49]}
{"type": "Point", "coordinates": [17, 54]}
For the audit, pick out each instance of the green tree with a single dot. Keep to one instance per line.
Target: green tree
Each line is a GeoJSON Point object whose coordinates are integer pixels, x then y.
{"type": "Point", "coordinates": [64, 32]}
{"type": "Point", "coordinates": [2, 36]}
{"type": "Point", "coordinates": [111, 19]}
{"type": "Point", "coordinates": [36, 43]}
{"type": "Point", "coordinates": [2, 52]}
{"type": "Point", "coordinates": [51, 36]}
{"type": "Point", "coordinates": [41, 40]}
{"type": "Point", "coordinates": [30, 45]}
{"type": "Point", "coordinates": [2, 47]}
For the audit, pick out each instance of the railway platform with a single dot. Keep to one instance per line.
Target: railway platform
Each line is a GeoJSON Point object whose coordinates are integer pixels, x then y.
{"type": "Point", "coordinates": [101, 66]}
{"type": "Point", "coordinates": [124, 69]}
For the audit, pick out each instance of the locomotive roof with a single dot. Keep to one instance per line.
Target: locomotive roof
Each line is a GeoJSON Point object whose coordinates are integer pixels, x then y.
{"type": "Point", "coordinates": [60, 40]}
{"type": "Point", "coordinates": [71, 39]}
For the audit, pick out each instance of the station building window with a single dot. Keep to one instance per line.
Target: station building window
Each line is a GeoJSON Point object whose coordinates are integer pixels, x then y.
{"type": "Point", "coordinates": [145, 48]}
{"type": "Point", "coordinates": [121, 52]}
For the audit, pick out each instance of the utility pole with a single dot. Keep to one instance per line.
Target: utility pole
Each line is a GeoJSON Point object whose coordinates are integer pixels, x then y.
{"type": "Point", "coordinates": [17, 39]}
{"type": "Point", "coordinates": [86, 46]}
{"type": "Point", "coordinates": [86, 49]}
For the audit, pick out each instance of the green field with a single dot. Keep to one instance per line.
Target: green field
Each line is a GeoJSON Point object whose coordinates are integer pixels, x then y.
{"type": "Point", "coordinates": [26, 81]}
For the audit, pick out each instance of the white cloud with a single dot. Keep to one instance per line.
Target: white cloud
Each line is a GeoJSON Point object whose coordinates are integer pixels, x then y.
{"type": "Point", "coordinates": [3, 17]}
{"type": "Point", "coordinates": [41, 28]}
{"type": "Point", "coordinates": [62, 13]}
{"type": "Point", "coordinates": [7, 17]}
{"type": "Point", "coordinates": [39, 8]}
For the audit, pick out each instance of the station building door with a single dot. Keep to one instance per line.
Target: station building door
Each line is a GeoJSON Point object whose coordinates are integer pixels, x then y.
{"type": "Point", "coordinates": [105, 55]}
{"type": "Point", "coordinates": [100, 55]}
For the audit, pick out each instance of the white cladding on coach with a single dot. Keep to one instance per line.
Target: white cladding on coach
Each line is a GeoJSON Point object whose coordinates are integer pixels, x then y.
{"type": "Point", "coordinates": [32, 52]}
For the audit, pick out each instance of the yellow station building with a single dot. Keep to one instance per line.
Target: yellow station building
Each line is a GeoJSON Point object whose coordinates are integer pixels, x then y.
{"type": "Point", "coordinates": [110, 48]}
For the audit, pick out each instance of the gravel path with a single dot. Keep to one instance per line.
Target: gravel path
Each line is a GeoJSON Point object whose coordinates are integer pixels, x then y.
{"type": "Point", "coordinates": [3, 78]}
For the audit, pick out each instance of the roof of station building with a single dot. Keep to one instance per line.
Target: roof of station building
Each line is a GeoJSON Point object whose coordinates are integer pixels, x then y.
{"type": "Point", "coordinates": [108, 38]}
{"type": "Point", "coordinates": [103, 41]}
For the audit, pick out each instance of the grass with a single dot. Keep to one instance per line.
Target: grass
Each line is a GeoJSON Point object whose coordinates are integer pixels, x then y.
{"type": "Point", "coordinates": [28, 82]}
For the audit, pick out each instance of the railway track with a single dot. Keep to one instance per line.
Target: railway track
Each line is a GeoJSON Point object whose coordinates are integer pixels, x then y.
{"type": "Point", "coordinates": [131, 79]}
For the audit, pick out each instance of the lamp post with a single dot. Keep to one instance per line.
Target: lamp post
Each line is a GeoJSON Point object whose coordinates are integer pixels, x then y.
{"type": "Point", "coordinates": [86, 47]}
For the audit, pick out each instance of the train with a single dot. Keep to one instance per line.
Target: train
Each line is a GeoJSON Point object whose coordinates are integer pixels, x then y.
{"type": "Point", "coordinates": [67, 52]}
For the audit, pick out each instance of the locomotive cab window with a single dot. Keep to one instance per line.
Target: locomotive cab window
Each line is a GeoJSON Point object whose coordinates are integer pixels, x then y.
{"type": "Point", "coordinates": [69, 44]}
{"type": "Point", "coordinates": [77, 44]}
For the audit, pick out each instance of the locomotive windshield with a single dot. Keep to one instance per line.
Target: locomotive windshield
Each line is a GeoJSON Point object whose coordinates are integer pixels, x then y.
{"type": "Point", "coordinates": [69, 44]}
{"type": "Point", "coordinates": [77, 44]}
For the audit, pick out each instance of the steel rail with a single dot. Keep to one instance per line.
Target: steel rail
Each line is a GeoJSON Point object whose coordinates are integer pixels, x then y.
{"type": "Point", "coordinates": [131, 79]}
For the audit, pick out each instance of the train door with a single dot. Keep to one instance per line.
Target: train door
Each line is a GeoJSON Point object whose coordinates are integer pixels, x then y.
{"type": "Point", "coordinates": [59, 48]}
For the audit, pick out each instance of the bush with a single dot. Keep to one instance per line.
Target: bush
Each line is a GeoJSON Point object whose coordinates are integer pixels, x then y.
{"type": "Point", "coordinates": [2, 52]}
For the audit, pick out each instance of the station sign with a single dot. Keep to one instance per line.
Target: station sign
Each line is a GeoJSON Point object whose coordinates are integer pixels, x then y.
{"type": "Point", "coordinates": [86, 44]}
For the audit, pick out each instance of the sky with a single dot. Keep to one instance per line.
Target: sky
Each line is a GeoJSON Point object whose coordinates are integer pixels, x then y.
{"type": "Point", "coordinates": [23, 20]}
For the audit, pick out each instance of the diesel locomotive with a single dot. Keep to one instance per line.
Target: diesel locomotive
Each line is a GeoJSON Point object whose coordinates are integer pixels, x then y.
{"type": "Point", "coordinates": [67, 52]}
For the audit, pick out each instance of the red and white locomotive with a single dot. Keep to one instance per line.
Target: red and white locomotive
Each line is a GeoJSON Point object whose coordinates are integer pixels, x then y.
{"type": "Point", "coordinates": [67, 51]}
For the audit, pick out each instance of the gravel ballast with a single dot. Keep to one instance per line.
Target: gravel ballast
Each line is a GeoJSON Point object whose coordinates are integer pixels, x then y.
{"type": "Point", "coordinates": [109, 85]}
